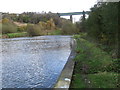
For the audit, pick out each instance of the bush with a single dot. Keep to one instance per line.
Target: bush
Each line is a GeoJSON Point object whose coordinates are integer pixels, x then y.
{"type": "Point", "coordinates": [42, 25]}
{"type": "Point", "coordinates": [114, 67]}
{"type": "Point", "coordinates": [49, 25]}
{"type": "Point", "coordinates": [21, 28]}
{"type": "Point", "coordinates": [5, 20]}
{"type": "Point", "coordinates": [81, 26]}
{"type": "Point", "coordinates": [8, 27]}
{"type": "Point", "coordinates": [69, 28]}
{"type": "Point", "coordinates": [33, 30]}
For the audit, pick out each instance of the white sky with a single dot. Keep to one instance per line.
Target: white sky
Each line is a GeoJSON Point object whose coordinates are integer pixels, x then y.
{"type": "Point", "coordinates": [19, 6]}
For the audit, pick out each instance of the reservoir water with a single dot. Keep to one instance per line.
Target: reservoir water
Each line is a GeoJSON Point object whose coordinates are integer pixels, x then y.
{"type": "Point", "coordinates": [33, 62]}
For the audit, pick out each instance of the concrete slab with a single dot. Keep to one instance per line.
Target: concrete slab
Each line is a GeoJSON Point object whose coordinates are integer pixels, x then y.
{"type": "Point", "coordinates": [66, 74]}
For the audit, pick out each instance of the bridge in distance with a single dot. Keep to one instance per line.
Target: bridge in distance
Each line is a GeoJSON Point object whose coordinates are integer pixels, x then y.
{"type": "Point", "coordinates": [73, 13]}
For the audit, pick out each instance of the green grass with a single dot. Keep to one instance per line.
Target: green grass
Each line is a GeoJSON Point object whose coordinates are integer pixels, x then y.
{"type": "Point", "coordinates": [98, 80]}
{"type": "Point", "coordinates": [13, 35]}
{"type": "Point", "coordinates": [103, 80]}
{"type": "Point", "coordinates": [96, 59]}
{"type": "Point", "coordinates": [95, 63]}
{"type": "Point", "coordinates": [56, 32]}
{"type": "Point", "coordinates": [78, 81]}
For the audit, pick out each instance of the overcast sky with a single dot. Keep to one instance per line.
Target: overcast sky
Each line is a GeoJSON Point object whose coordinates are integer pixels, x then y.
{"type": "Point", "coordinates": [19, 6]}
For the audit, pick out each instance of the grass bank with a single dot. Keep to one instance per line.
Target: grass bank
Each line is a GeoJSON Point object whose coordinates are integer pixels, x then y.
{"type": "Point", "coordinates": [14, 35]}
{"type": "Point", "coordinates": [25, 34]}
{"type": "Point", "coordinates": [55, 32]}
{"type": "Point", "coordinates": [94, 68]}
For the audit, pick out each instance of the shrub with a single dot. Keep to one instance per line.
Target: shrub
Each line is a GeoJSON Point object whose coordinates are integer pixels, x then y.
{"type": "Point", "coordinates": [69, 28]}
{"type": "Point", "coordinates": [42, 25]}
{"type": "Point", "coordinates": [114, 66]}
{"type": "Point", "coordinates": [8, 26]}
{"type": "Point", "coordinates": [21, 28]}
{"type": "Point", "coordinates": [49, 25]}
{"type": "Point", "coordinates": [5, 20]}
{"type": "Point", "coordinates": [33, 30]}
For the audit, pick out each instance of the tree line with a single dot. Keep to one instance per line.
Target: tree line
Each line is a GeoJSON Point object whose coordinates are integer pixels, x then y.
{"type": "Point", "coordinates": [37, 24]}
{"type": "Point", "coordinates": [102, 26]}
{"type": "Point", "coordinates": [33, 17]}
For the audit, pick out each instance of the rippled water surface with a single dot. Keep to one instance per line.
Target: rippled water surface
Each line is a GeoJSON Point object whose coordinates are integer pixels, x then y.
{"type": "Point", "coordinates": [33, 61]}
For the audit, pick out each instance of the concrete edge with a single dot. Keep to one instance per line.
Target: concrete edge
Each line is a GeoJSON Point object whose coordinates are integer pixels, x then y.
{"type": "Point", "coordinates": [65, 77]}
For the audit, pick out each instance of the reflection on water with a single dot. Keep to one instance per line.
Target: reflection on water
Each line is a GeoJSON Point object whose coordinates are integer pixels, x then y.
{"type": "Point", "coordinates": [33, 61]}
